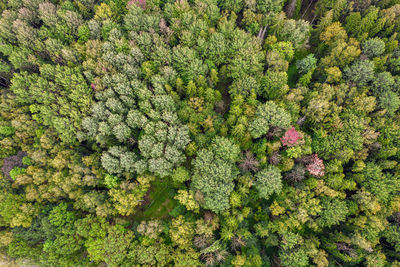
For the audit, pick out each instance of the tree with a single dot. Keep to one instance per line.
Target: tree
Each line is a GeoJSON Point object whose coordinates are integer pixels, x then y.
{"type": "Point", "coordinates": [130, 114]}
{"type": "Point", "coordinates": [213, 173]}
{"type": "Point", "coordinates": [373, 47]}
{"type": "Point", "coordinates": [117, 244]}
{"type": "Point", "coordinates": [15, 211]}
{"type": "Point", "coordinates": [233, 5]}
{"type": "Point", "coordinates": [187, 62]}
{"type": "Point", "coordinates": [296, 175]}
{"type": "Point", "coordinates": [270, 6]}
{"type": "Point", "coordinates": [274, 84]}
{"type": "Point", "coordinates": [269, 115]}
{"type": "Point", "coordinates": [333, 74]}
{"type": "Point", "coordinates": [291, 137]}
{"type": "Point", "coordinates": [150, 254]}
{"type": "Point", "coordinates": [129, 195]}
{"type": "Point", "coordinates": [334, 211]}
{"type": "Point", "coordinates": [284, 49]}
{"type": "Point", "coordinates": [383, 82]}
{"type": "Point", "coordinates": [187, 199]}
{"type": "Point", "coordinates": [316, 166]}
{"type": "Point", "coordinates": [392, 234]}
{"type": "Point", "coordinates": [380, 184]}
{"type": "Point", "coordinates": [333, 33]}
{"type": "Point", "coordinates": [361, 72]}
{"type": "Point", "coordinates": [363, 26]}
{"type": "Point", "coordinates": [390, 101]}
{"type": "Point", "coordinates": [181, 232]}
{"type": "Point", "coordinates": [180, 175]}
{"type": "Point", "coordinates": [268, 181]}
{"type": "Point", "coordinates": [292, 252]}
{"type": "Point", "coordinates": [217, 50]}
{"type": "Point", "coordinates": [248, 162]}
{"type": "Point", "coordinates": [295, 31]}
{"type": "Point", "coordinates": [59, 98]}
{"type": "Point", "coordinates": [306, 64]}
{"type": "Point", "coordinates": [347, 136]}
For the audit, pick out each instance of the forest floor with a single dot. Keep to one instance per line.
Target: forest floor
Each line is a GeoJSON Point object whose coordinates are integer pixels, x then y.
{"type": "Point", "coordinates": [307, 10]}
{"type": "Point", "coordinates": [158, 201]}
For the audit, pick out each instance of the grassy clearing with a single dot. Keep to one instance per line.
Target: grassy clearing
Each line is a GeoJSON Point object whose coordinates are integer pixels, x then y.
{"type": "Point", "coordinates": [159, 201]}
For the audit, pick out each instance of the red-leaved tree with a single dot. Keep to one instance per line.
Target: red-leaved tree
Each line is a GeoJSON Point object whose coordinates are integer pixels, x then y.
{"type": "Point", "coordinates": [316, 166]}
{"type": "Point", "coordinates": [291, 137]}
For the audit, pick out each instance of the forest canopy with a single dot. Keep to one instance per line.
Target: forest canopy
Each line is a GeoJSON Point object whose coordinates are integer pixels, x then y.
{"type": "Point", "coordinates": [200, 133]}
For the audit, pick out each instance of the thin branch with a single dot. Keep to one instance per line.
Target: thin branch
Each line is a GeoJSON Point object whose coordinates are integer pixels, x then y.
{"type": "Point", "coordinates": [261, 33]}
{"type": "Point", "coordinates": [311, 2]}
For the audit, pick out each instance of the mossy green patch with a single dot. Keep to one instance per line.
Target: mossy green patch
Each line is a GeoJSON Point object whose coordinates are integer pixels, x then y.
{"type": "Point", "coordinates": [158, 202]}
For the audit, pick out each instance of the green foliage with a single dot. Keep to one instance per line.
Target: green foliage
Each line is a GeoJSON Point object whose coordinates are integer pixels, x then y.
{"type": "Point", "coordinates": [151, 124]}
{"type": "Point", "coordinates": [161, 195]}
{"type": "Point", "coordinates": [392, 234]}
{"type": "Point", "coordinates": [295, 31]}
{"type": "Point", "coordinates": [334, 211]}
{"type": "Point", "coordinates": [284, 49]}
{"type": "Point", "coordinates": [59, 216]}
{"type": "Point", "coordinates": [200, 133]}
{"type": "Point", "coordinates": [214, 172]}
{"type": "Point", "coordinates": [378, 183]}
{"type": "Point", "coordinates": [16, 171]}
{"type": "Point", "coordinates": [390, 101]}
{"type": "Point", "coordinates": [363, 26]}
{"type": "Point", "coordinates": [294, 258]}
{"type": "Point", "coordinates": [350, 138]}
{"type": "Point", "coordinates": [292, 254]}
{"type": "Point", "coordinates": [268, 181]}
{"type": "Point", "coordinates": [180, 175]}
{"type": "Point", "coordinates": [111, 181]}
{"type": "Point", "coordinates": [361, 72]}
{"type": "Point", "coordinates": [186, 61]}
{"type": "Point", "coordinates": [7, 130]}
{"type": "Point", "coordinates": [269, 115]}
{"type": "Point", "coordinates": [233, 5]}
{"type": "Point", "coordinates": [274, 84]}
{"type": "Point", "coordinates": [58, 98]}
{"type": "Point", "coordinates": [373, 47]}
{"type": "Point", "coordinates": [306, 64]}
